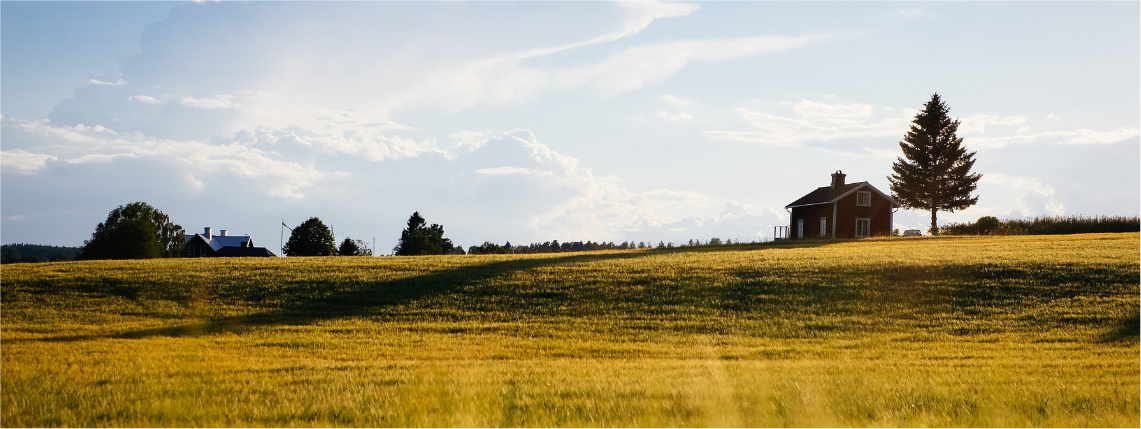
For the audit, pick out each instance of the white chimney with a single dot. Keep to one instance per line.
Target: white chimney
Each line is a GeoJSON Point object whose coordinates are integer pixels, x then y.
{"type": "Point", "coordinates": [208, 233]}
{"type": "Point", "coordinates": [224, 232]}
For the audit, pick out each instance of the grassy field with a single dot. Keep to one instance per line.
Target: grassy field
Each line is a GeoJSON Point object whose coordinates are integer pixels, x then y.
{"type": "Point", "coordinates": [949, 331]}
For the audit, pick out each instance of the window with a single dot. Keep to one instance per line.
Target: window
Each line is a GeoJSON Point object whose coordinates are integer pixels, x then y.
{"type": "Point", "coordinates": [863, 199]}
{"type": "Point", "coordinates": [202, 250]}
{"type": "Point", "coordinates": [800, 228]}
{"type": "Point", "coordinates": [823, 227]}
{"type": "Point", "coordinates": [863, 227]}
{"type": "Point", "coordinates": [189, 250]}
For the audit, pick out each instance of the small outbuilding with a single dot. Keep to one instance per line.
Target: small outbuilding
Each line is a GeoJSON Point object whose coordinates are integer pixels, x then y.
{"type": "Point", "coordinates": [207, 244]}
{"type": "Point", "coordinates": [842, 210]}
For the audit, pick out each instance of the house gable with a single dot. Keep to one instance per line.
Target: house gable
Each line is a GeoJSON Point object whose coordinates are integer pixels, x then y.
{"type": "Point", "coordinates": [829, 195]}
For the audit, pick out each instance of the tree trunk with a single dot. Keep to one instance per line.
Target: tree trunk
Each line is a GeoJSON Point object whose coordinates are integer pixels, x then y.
{"type": "Point", "coordinates": [934, 226]}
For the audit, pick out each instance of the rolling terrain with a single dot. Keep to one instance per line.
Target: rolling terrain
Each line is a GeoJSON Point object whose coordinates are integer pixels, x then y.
{"type": "Point", "coordinates": [946, 331]}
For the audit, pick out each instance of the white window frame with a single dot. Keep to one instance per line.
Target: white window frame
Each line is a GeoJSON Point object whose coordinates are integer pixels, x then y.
{"type": "Point", "coordinates": [864, 198]}
{"type": "Point", "coordinates": [867, 230]}
{"type": "Point", "coordinates": [800, 228]}
{"type": "Point", "coordinates": [823, 227]}
{"type": "Point", "coordinates": [190, 250]}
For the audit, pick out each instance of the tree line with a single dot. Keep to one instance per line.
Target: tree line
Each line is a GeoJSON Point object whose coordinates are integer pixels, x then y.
{"type": "Point", "coordinates": [1047, 225]}
{"type": "Point", "coordinates": [554, 246]}
{"type": "Point", "coordinates": [23, 252]}
{"type": "Point", "coordinates": [140, 231]}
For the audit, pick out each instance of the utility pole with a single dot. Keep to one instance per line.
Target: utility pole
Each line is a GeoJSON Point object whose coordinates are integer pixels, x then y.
{"type": "Point", "coordinates": [281, 240]}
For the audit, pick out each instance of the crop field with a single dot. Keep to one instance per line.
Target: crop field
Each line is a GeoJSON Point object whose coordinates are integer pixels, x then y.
{"type": "Point", "coordinates": [946, 331]}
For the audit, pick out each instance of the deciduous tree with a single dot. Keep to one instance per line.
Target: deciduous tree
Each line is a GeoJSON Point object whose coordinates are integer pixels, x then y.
{"type": "Point", "coordinates": [135, 231]}
{"type": "Point", "coordinates": [311, 238]}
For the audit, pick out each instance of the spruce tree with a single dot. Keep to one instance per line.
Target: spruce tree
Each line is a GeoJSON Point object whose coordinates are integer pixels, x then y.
{"type": "Point", "coordinates": [935, 170]}
{"type": "Point", "coordinates": [420, 239]}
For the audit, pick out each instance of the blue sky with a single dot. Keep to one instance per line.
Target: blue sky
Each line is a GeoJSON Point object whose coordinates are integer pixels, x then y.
{"type": "Point", "coordinates": [527, 122]}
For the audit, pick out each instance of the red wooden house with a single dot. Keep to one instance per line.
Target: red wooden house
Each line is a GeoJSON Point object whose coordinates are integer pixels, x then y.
{"type": "Point", "coordinates": [842, 210]}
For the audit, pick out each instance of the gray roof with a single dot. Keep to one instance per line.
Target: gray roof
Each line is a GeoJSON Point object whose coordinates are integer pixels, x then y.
{"type": "Point", "coordinates": [217, 242]}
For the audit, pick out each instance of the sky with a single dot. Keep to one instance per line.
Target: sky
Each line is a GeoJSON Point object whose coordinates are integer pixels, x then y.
{"type": "Point", "coordinates": [536, 121]}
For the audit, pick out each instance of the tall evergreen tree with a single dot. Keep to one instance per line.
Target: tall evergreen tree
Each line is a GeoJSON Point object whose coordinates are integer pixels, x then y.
{"type": "Point", "coordinates": [935, 170]}
{"type": "Point", "coordinates": [311, 238]}
{"type": "Point", "coordinates": [135, 231]}
{"type": "Point", "coordinates": [420, 239]}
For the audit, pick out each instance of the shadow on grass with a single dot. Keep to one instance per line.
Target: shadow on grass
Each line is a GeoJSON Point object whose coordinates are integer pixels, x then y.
{"type": "Point", "coordinates": [369, 297]}
{"type": "Point", "coordinates": [1128, 330]}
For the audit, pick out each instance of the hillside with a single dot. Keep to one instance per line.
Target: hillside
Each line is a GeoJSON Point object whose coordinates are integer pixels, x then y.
{"type": "Point", "coordinates": [949, 331]}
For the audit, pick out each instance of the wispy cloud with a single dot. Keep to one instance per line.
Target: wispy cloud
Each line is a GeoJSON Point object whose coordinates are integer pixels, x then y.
{"type": "Point", "coordinates": [221, 101]}
{"type": "Point", "coordinates": [676, 102]}
{"type": "Point", "coordinates": [977, 124]}
{"type": "Point", "coordinates": [1083, 136]}
{"type": "Point", "coordinates": [814, 122]}
{"type": "Point", "coordinates": [509, 79]}
{"type": "Point", "coordinates": [100, 82]}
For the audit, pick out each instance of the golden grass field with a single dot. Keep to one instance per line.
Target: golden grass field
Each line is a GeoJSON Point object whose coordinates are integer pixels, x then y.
{"type": "Point", "coordinates": [947, 331]}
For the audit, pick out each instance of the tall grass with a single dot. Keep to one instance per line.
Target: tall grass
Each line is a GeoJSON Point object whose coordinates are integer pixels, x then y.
{"type": "Point", "coordinates": [944, 331]}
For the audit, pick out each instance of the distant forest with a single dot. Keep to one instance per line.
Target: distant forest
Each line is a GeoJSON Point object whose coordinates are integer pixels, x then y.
{"type": "Point", "coordinates": [13, 253]}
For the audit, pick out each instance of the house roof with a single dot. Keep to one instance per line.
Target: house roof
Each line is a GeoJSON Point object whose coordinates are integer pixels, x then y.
{"type": "Point", "coordinates": [829, 195]}
{"type": "Point", "coordinates": [244, 251]}
{"type": "Point", "coordinates": [217, 242]}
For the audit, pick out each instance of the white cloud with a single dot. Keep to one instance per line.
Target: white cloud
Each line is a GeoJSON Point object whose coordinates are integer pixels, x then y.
{"type": "Point", "coordinates": [145, 99]}
{"type": "Point", "coordinates": [675, 101]}
{"type": "Point", "coordinates": [636, 67]}
{"type": "Point", "coordinates": [221, 101]}
{"type": "Point", "coordinates": [819, 122]}
{"type": "Point", "coordinates": [977, 124]}
{"type": "Point", "coordinates": [1078, 137]}
{"type": "Point", "coordinates": [1035, 197]}
{"type": "Point", "coordinates": [78, 145]}
{"type": "Point", "coordinates": [99, 82]}
{"type": "Point", "coordinates": [507, 79]}
{"type": "Point", "coordinates": [641, 15]}
{"type": "Point", "coordinates": [23, 162]}
{"type": "Point", "coordinates": [668, 116]}
{"type": "Point", "coordinates": [560, 198]}
{"type": "Point", "coordinates": [815, 123]}
{"type": "Point", "coordinates": [832, 112]}
{"type": "Point", "coordinates": [510, 171]}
